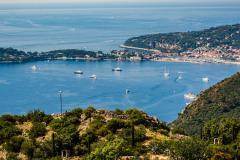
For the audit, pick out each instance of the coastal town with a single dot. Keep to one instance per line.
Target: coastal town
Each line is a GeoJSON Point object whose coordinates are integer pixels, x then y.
{"type": "Point", "coordinates": [199, 55]}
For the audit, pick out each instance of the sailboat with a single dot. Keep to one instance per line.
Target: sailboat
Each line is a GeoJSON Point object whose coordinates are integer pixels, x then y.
{"type": "Point", "coordinates": [166, 73]}
{"type": "Point", "coordinates": [34, 67]}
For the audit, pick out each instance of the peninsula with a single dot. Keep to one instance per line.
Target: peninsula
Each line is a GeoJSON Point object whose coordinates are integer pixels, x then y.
{"type": "Point", "coordinates": [215, 45]}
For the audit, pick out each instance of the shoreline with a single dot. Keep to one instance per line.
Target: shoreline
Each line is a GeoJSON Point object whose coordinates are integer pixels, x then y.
{"type": "Point", "coordinates": [181, 59]}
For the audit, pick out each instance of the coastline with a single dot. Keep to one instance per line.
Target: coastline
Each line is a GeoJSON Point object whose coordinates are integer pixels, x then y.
{"type": "Point", "coordinates": [182, 59]}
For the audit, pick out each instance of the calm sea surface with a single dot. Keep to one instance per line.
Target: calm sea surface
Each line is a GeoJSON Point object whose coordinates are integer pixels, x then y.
{"type": "Point", "coordinates": [104, 29]}
{"type": "Point", "coordinates": [21, 89]}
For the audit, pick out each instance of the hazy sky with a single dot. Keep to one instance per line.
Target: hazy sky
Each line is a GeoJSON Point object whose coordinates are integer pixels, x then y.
{"type": "Point", "coordinates": [118, 1]}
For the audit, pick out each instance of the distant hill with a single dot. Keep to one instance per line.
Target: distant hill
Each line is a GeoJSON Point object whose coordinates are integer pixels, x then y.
{"type": "Point", "coordinates": [216, 37]}
{"type": "Point", "coordinates": [10, 55]}
{"type": "Point", "coordinates": [221, 100]}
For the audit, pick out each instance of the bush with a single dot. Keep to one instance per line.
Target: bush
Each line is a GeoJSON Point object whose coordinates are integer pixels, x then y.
{"type": "Point", "coordinates": [11, 156]}
{"type": "Point", "coordinates": [9, 118]}
{"type": "Point", "coordinates": [159, 146]}
{"type": "Point", "coordinates": [164, 132]}
{"type": "Point", "coordinates": [38, 129]}
{"type": "Point", "coordinates": [7, 131]}
{"type": "Point", "coordinates": [178, 130]}
{"type": "Point", "coordinates": [76, 112]}
{"type": "Point", "coordinates": [114, 124]}
{"type": "Point", "coordinates": [39, 116]}
{"type": "Point", "coordinates": [27, 148]}
{"type": "Point", "coordinates": [111, 150]}
{"type": "Point", "coordinates": [80, 150]}
{"type": "Point", "coordinates": [189, 149]}
{"type": "Point", "coordinates": [14, 144]}
{"type": "Point", "coordinates": [136, 116]}
{"type": "Point", "coordinates": [89, 112]}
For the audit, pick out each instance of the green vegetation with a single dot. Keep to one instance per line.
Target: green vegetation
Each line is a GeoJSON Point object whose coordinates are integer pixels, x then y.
{"type": "Point", "coordinates": [86, 133]}
{"type": "Point", "coordinates": [215, 118]}
{"type": "Point", "coordinates": [10, 55]}
{"type": "Point", "coordinates": [187, 41]}
{"type": "Point", "coordinates": [220, 100]}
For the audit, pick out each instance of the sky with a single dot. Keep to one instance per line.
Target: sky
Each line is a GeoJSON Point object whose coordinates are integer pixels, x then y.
{"type": "Point", "coordinates": [119, 1]}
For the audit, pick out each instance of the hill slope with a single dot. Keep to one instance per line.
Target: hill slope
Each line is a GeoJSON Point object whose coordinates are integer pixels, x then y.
{"type": "Point", "coordinates": [221, 100]}
{"type": "Point", "coordinates": [177, 42]}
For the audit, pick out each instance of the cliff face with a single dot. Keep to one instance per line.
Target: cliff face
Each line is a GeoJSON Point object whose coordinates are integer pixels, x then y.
{"type": "Point", "coordinates": [221, 100]}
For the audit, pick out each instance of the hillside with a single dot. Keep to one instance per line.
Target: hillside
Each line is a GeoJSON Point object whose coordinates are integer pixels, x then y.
{"type": "Point", "coordinates": [83, 134]}
{"type": "Point", "coordinates": [228, 35]}
{"type": "Point", "coordinates": [90, 134]}
{"type": "Point", "coordinates": [221, 100]}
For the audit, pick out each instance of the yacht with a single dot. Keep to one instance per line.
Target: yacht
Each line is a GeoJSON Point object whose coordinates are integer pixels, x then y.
{"type": "Point", "coordinates": [117, 69]}
{"type": "Point", "coordinates": [190, 96]}
{"type": "Point", "coordinates": [205, 79]}
{"type": "Point", "coordinates": [78, 72]}
{"type": "Point", "coordinates": [93, 76]}
{"type": "Point", "coordinates": [127, 91]}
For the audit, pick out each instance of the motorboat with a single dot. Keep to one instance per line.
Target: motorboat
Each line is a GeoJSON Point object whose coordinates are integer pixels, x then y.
{"type": "Point", "coordinates": [117, 69]}
{"type": "Point", "coordinates": [190, 96]}
{"type": "Point", "coordinates": [78, 72]}
{"type": "Point", "coordinates": [93, 76]}
{"type": "Point", "coordinates": [205, 79]}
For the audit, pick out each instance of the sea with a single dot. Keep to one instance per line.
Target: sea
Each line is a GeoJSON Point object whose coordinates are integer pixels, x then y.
{"type": "Point", "coordinates": [104, 29]}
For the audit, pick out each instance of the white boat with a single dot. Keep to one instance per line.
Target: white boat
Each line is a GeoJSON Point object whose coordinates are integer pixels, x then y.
{"type": "Point", "coordinates": [93, 76]}
{"type": "Point", "coordinates": [34, 67]}
{"type": "Point", "coordinates": [78, 72]}
{"type": "Point", "coordinates": [166, 73]}
{"type": "Point", "coordinates": [117, 69]}
{"type": "Point", "coordinates": [179, 77]}
{"type": "Point", "coordinates": [127, 91]}
{"type": "Point", "coordinates": [205, 79]}
{"type": "Point", "coordinates": [190, 96]}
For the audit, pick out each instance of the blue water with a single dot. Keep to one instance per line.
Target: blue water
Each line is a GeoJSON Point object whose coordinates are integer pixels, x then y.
{"type": "Point", "coordinates": [104, 29]}
{"type": "Point", "coordinates": [22, 90]}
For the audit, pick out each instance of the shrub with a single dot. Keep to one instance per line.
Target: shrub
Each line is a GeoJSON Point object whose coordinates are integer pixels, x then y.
{"type": "Point", "coordinates": [14, 144]}
{"type": "Point", "coordinates": [136, 116]}
{"type": "Point", "coordinates": [27, 148]}
{"type": "Point", "coordinates": [178, 130]}
{"type": "Point", "coordinates": [9, 118]}
{"type": "Point", "coordinates": [39, 116]}
{"type": "Point", "coordinates": [114, 124]}
{"type": "Point", "coordinates": [111, 150]}
{"type": "Point", "coordinates": [89, 112]}
{"type": "Point", "coordinates": [76, 112]}
{"type": "Point", "coordinates": [189, 149]}
{"type": "Point", "coordinates": [7, 131]}
{"type": "Point", "coordinates": [38, 129]}
{"type": "Point", "coordinates": [159, 146]}
{"type": "Point", "coordinates": [164, 132]}
{"type": "Point", "coordinates": [11, 156]}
